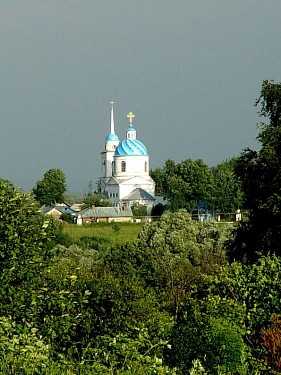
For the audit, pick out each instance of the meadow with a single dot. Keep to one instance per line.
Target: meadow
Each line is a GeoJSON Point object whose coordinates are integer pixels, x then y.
{"type": "Point", "coordinates": [105, 233]}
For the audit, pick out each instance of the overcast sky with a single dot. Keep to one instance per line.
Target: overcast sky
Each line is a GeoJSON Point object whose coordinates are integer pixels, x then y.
{"type": "Point", "coordinates": [190, 70]}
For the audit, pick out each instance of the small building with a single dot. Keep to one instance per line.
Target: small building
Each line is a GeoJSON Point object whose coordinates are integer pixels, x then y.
{"type": "Point", "coordinates": [104, 214]}
{"type": "Point", "coordinates": [140, 196]}
{"type": "Point", "coordinates": [57, 211]}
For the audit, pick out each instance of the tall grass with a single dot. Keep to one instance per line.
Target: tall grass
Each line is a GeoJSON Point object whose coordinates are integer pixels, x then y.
{"type": "Point", "coordinates": [106, 233]}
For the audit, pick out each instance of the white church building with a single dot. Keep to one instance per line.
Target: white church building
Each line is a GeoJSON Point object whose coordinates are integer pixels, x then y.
{"type": "Point", "coordinates": [125, 168]}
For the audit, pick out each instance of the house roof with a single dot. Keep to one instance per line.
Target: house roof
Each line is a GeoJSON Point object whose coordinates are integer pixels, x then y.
{"type": "Point", "coordinates": [48, 209]}
{"type": "Point", "coordinates": [139, 194]}
{"type": "Point", "coordinates": [105, 212]}
{"type": "Point", "coordinates": [59, 209]}
{"type": "Point", "coordinates": [64, 209]}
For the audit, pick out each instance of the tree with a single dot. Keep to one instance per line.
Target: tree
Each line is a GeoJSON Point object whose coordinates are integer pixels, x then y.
{"type": "Point", "coordinates": [139, 209]}
{"type": "Point", "coordinates": [51, 188]}
{"type": "Point", "coordinates": [24, 245]}
{"type": "Point", "coordinates": [158, 177]}
{"type": "Point", "coordinates": [260, 173]}
{"type": "Point", "coordinates": [97, 200]}
{"type": "Point", "coordinates": [175, 251]}
{"type": "Point", "coordinates": [227, 194]}
{"type": "Point", "coordinates": [186, 183]}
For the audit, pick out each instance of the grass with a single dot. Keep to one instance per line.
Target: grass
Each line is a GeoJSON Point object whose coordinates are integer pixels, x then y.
{"type": "Point", "coordinates": [107, 233]}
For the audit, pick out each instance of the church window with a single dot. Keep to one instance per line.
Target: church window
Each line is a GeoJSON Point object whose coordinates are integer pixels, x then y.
{"type": "Point", "coordinates": [113, 166]}
{"type": "Point", "coordinates": [123, 166]}
{"type": "Point", "coordinates": [145, 166]}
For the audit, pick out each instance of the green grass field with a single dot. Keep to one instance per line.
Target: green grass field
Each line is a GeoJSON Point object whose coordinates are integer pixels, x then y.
{"type": "Point", "coordinates": [107, 233]}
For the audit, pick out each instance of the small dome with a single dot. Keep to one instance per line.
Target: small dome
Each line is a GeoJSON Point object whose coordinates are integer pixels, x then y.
{"type": "Point", "coordinates": [131, 147]}
{"type": "Point", "coordinates": [112, 137]}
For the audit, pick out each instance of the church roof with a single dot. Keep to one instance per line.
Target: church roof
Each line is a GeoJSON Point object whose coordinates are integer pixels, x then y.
{"type": "Point", "coordinates": [131, 147]}
{"type": "Point", "coordinates": [139, 194]}
{"type": "Point", "coordinates": [112, 137]}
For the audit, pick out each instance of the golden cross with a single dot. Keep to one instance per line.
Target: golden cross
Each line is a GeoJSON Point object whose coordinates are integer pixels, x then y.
{"type": "Point", "coordinates": [112, 103]}
{"type": "Point", "coordinates": [130, 116]}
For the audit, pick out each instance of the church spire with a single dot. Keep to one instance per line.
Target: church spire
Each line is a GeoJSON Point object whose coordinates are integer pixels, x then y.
{"type": "Point", "coordinates": [112, 136]}
{"type": "Point", "coordinates": [112, 130]}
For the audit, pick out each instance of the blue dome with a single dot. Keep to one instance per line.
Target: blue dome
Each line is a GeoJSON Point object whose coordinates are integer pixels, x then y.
{"type": "Point", "coordinates": [131, 147]}
{"type": "Point", "coordinates": [112, 137]}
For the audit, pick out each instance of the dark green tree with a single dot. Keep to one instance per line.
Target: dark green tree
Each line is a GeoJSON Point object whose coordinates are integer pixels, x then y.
{"type": "Point", "coordinates": [158, 177]}
{"type": "Point", "coordinates": [50, 190]}
{"type": "Point", "coordinates": [227, 194]}
{"type": "Point", "coordinates": [260, 173]}
{"type": "Point", "coordinates": [186, 183]}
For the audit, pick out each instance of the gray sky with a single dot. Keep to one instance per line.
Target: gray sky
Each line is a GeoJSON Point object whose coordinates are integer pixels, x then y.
{"type": "Point", "coordinates": [190, 70]}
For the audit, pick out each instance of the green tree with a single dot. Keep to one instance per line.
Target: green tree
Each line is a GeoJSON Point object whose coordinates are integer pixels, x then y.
{"type": "Point", "coordinates": [186, 183]}
{"type": "Point", "coordinates": [260, 173]}
{"type": "Point", "coordinates": [139, 209]}
{"type": "Point", "coordinates": [227, 193]}
{"type": "Point", "coordinates": [158, 177]}
{"type": "Point", "coordinates": [51, 188]}
{"type": "Point", "coordinates": [174, 253]}
{"type": "Point", "coordinates": [212, 331]}
{"type": "Point", "coordinates": [97, 200]}
{"type": "Point", "coordinates": [24, 245]}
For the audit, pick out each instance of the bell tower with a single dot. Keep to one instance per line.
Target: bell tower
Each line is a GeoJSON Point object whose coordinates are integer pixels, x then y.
{"type": "Point", "coordinates": [111, 142]}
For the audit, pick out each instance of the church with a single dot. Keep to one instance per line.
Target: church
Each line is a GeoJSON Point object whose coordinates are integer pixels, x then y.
{"type": "Point", "coordinates": [125, 168]}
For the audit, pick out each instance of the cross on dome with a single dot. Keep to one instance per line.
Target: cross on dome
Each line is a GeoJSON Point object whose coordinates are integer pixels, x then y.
{"type": "Point", "coordinates": [130, 116]}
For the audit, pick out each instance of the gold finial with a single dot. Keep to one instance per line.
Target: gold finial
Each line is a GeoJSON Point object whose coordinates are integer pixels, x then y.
{"type": "Point", "coordinates": [130, 116]}
{"type": "Point", "coordinates": [112, 103]}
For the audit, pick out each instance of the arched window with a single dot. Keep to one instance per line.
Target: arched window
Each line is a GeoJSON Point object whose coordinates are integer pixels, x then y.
{"type": "Point", "coordinates": [145, 166]}
{"type": "Point", "coordinates": [123, 166]}
{"type": "Point", "coordinates": [113, 167]}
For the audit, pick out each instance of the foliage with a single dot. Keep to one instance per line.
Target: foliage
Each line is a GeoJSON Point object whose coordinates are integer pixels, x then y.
{"type": "Point", "coordinates": [101, 233]}
{"type": "Point", "coordinates": [260, 173]}
{"type": "Point", "coordinates": [227, 194]}
{"type": "Point", "coordinates": [67, 217]}
{"type": "Point", "coordinates": [51, 188]}
{"type": "Point", "coordinates": [116, 227]}
{"type": "Point", "coordinates": [24, 241]}
{"type": "Point", "coordinates": [210, 330]}
{"type": "Point", "coordinates": [225, 322]}
{"type": "Point", "coordinates": [139, 209]}
{"type": "Point", "coordinates": [257, 288]}
{"type": "Point", "coordinates": [271, 338]}
{"type": "Point", "coordinates": [158, 177]}
{"type": "Point", "coordinates": [166, 302]}
{"type": "Point", "coordinates": [187, 182]}
{"type": "Point", "coordinates": [158, 210]}
{"type": "Point", "coordinates": [97, 200]}
{"type": "Point", "coordinates": [18, 351]}
{"type": "Point", "coordinates": [173, 252]}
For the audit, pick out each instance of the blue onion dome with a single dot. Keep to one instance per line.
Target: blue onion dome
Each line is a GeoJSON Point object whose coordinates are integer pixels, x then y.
{"type": "Point", "coordinates": [112, 137]}
{"type": "Point", "coordinates": [131, 147]}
